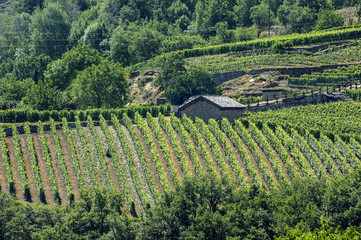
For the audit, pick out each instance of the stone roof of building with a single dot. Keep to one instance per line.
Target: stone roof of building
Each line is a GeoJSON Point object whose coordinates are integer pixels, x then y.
{"type": "Point", "coordinates": [221, 102]}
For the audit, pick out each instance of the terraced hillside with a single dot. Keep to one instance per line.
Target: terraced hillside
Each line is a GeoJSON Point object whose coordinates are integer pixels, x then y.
{"type": "Point", "coordinates": [145, 159]}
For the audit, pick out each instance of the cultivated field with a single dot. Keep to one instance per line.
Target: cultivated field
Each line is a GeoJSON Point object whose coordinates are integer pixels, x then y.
{"type": "Point", "coordinates": [146, 158]}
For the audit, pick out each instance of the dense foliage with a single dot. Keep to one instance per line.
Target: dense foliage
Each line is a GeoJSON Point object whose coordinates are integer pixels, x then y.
{"type": "Point", "coordinates": [199, 208]}
{"type": "Point", "coordinates": [48, 47]}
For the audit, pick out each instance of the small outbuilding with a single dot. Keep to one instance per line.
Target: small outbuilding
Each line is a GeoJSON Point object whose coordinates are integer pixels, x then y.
{"type": "Point", "coordinates": [216, 107]}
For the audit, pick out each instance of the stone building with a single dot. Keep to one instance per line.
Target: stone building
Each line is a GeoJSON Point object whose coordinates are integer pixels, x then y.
{"type": "Point", "coordinates": [216, 107]}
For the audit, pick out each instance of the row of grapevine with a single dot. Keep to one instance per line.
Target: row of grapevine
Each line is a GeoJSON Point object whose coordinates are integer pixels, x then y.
{"type": "Point", "coordinates": [164, 148]}
{"type": "Point", "coordinates": [148, 175]}
{"type": "Point", "coordinates": [179, 128]}
{"type": "Point", "coordinates": [298, 156]}
{"type": "Point", "coordinates": [214, 128]}
{"type": "Point", "coordinates": [34, 163]}
{"type": "Point", "coordinates": [6, 161]}
{"type": "Point", "coordinates": [330, 165]}
{"type": "Point", "coordinates": [303, 146]}
{"type": "Point", "coordinates": [13, 115]}
{"type": "Point", "coordinates": [197, 138]}
{"type": "Point", "coordinates": [138, 184]}
{"type": "Point", "coordinates": [115, 158]}
{"type": "Point", "coordinates": [72, 153]}
{"type": "Point", "coordinates": [21, 165]}
{"type": "Point", "coordinates": [281, 151]}
{"type": "Point", "coordinates": [252, 146]}
{"type": "Point", "coordinates": [347, 152]}
{"type": "Point", "coordinates": [165, 125]}
{"type": "Point", "coordinates": [61, 161]}
{"type": "Point", "coordinates": [98, 156]}
{"type": "Point", "coordinates": [330, 148]}
{"type": "Point", "coordinates": [153, 152]}
{"type": "Point", "coordinates": [211, 140]}
{"type": "Point", "coordinates": [48, 163]}
{"type": "Point", "coordinates": [85, 155]}
{"type": "Point", "coordinates": [261, 140]}
{"type": "Point", "coordinates": [236, 141]}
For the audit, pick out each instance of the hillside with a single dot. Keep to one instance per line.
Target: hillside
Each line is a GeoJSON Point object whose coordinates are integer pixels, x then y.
{"type": "Point", "coordinates": [153, 155]}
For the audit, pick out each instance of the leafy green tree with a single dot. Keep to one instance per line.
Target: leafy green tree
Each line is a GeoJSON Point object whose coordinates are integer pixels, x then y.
{"type": "Point", "coordinates": [171, 66]}
{"type": "Point", "coordinates": [101, 86]}
{"type": "Point", "coordinates": [301, 19]}
{"type": "Point", "coordinates": [12, 91]}
{"type": "Point", "coordinates": [119, 47]}
{"type": "Point", "coordinates": [94, 36]}
{"type": "Point", "coordinates": [50, 31]}
{"type": "Point", "coordinates": [30, 66]}
{"type": "Point", "coordinates": [61, 72]}
{"type": "Point", "coordinates": [27, 6]}
{"type": "Point", "coordinates": [262, 15]}
{"type": "Point", "coordinates": [329, 19]}
{"type": "Point", "coordinates": [43, 96]}
{"type": "Point", "coordinates": [242, 12]}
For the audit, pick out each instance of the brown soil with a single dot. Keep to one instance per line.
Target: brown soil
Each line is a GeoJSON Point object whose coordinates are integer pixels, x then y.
{"type": "Point", "coordinates": [161, 159]}
{"type": "Point", "coordinates": [3, 182]}
{"type": "Point", "coordinates": [185, 154]}
{"type": "Point", "coordinates": [14, 169]}
{"type": "Point", "coordinates": [111, 169]}
{"type": "Point", "coordinates": [56, 167]}
{"type": "Point", "coordinates": [69, 164]}
{"type": "Point", "coordinates": [253, 162]}
{"type": "Point", "coordinates": [174, 157]}
{"type": "Point", "coordinates": [149, 160]}
{"type": "Point", "coordinates": [240, 162]}
{"type": "Point", "coordinates": [42, 168]}
{"type": "Point", "coordinates": [29, 170]}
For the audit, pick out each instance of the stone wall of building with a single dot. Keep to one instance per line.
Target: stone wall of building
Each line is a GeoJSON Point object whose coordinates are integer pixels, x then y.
{"type": "Point", "coordinates": [207, 111]}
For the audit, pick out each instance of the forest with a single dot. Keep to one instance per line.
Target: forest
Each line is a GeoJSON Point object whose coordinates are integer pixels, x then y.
{"type": "Point", "coordinates": [57, 55]}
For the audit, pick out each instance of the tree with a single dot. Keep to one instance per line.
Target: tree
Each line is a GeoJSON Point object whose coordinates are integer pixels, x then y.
{"type": "Point", "coordinates": [301, 19]}
{"type": "Point", "coordinates": [262, 15]}
{"type": "Point", "coordinates": [50, 31]}
{"type": "Point", "coordinates": [329, 19]}
{"type": "Point", "coordinates": [243, 13]}
{"type": "Point", "coordinates": [61, 72]}
{"type": "Point", "coordinates": [195, 81]}
{"type": "Point", "coordinates": [101, 86]}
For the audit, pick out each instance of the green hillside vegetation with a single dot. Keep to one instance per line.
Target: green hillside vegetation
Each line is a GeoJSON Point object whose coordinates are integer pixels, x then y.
{"type": "Point", "coordinates": [52, 49]}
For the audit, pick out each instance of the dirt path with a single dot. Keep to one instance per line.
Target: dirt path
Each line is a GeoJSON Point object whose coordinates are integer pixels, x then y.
{"type": "Point", "coordinates": [109, 162]}
{"type": "Point", "coordinates": [149, 160]}
{"type": "Point", "coordinates": [253, 162]}
{"type": "Point", "coordinates": [161, 159]}
{"type": "Point", "coordinates": [3, 183]}
{"type": "Point", "coordinates": [29, 169]}
{"type": "Point", "coordinates": [14, 169]}
{"type": "Point", "coordinates": [69, 164]}
{"type": "Point", "coordinates": [42, 168]}
{"type": "Point", "coordinates": [238, 158]}
{"type": "Point", "coordinates": [56, 167]}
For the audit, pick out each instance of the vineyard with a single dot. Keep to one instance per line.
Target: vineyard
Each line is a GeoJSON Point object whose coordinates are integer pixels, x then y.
{"type": "Point", "coordinates": [145, 157]}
